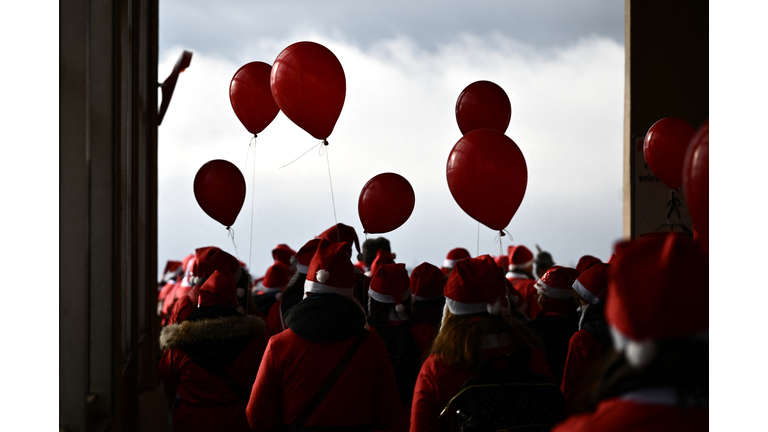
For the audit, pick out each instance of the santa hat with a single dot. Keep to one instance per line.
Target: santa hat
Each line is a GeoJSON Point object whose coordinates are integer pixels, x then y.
{"type": "Point", "coordinates": [592, 284]}
{"type": "Point", "coordinates": [189, 273]}
{"type": "Point", "coordinates": [557, 282]}
{"type": "Point", "coordinates": [382, 257]}
{"type": "Point", "coordinates": [520, 257]}
{"type": "Point", "coordinates": [427, 282]}
{"type": "Point", "coordinates": [283, 254]}
{"type": "Point", "coordinates": [586, 262]}
{"type": "Point", "coordinates": [341, 233]}
{"type": "Point", "coordinates": [304, 256]}
{"type": "Point", "coordinates": [210, 259]}
{"type": "Point", "coordinates": [172, 268]}
{"type": "Point", "coordinates": [331, 271]}
{"type": "Point", "coordinates": [276, 278]}
{"type": "Point", "coordinates": [390, 284]}
{"type": "Point", "coordinates": [476, 285]}
{"type": "Point", "coordinates": [454, 256]}
{"type": "Point", "coordinates": [659, 289]}
{"type": "Point", "coordinates": [219, 289]}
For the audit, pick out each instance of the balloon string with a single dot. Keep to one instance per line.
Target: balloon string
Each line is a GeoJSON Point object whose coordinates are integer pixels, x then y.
{"type": "Point", "coordinates": [302, 155]}
{"type": "Point", "coordinates": [253, 190]}
{"type": "Point", "coordinates": [231, 233]}
{"type": "Point", "coordinates": [501, 234]}
{"type": "Point", "coordinates": [333, 201]}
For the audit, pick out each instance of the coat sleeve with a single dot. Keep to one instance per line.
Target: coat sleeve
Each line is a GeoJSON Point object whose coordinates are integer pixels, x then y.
{"type": "Point", "coordinates": [264, 410]}
{"type": "Point", "coordinates": [387, 406]}
{"type": "Point", "coordinates": [426, 407]}
{"type": "Point", "coordinates": [168, 373]}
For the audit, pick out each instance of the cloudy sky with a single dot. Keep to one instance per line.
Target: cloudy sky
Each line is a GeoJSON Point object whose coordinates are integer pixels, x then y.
{"type": "Point", "coordinates": [561, 64]}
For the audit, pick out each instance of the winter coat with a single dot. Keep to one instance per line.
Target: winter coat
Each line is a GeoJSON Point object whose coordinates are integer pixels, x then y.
{"type": "Point", "coordinates": [584, 360]}
{"type": "Point", "coordinates": [424, 334]}
{"type": "Point", "coordinates": [213, 338]}
{"type": "Point", "coordinates": [636, 412]}
{"type": "Point", "coordinates": [438, 383]}
{"type": "Point", "coordinates": [554, 326]}
{"type": "Point", "coordinates": [525, 288]}
{"type": "Point", "coordinates": [298, 361]}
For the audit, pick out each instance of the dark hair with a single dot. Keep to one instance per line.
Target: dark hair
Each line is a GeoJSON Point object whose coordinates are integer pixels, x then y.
{"type": "Point", "coordinates": [371, 246]}
{"type": "Point", "coordinates": [378, 312]}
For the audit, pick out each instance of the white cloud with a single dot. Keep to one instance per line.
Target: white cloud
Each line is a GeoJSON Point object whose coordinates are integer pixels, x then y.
{"type": "Point", "coordinates": [567, 113]}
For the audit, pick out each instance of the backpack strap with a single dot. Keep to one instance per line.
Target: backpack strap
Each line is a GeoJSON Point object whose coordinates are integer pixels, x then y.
{"type": "Point", "coordinates": [239, 391]}
{"type": "Point", "coordinates": [332, 378]}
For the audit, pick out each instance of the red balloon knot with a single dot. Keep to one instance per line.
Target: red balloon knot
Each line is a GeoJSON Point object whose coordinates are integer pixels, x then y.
{"type": "Point", "coordinates": [325, 142]}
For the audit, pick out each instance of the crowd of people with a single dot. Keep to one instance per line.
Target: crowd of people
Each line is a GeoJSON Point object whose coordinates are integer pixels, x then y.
{"type": "Point", "coordinates": [332, 340]}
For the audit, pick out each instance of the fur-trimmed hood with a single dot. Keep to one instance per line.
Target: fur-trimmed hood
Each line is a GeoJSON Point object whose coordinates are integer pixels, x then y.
{"type": "Point", "coordinates": [223, 328]}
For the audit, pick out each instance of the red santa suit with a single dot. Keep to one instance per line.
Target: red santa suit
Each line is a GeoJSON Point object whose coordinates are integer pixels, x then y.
{"type": "Point", "coordinates": [525, 288]}
{"type": "Point", "coordinates": [211, 360]}
{"type": "Point", "coordinates": [639, 411]}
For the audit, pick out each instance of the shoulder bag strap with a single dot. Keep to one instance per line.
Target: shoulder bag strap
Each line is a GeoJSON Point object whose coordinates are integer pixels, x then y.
{"type": "Point", "coordinates": [332, 378]}
{"type": "Point", "coordinates": [239, 391]}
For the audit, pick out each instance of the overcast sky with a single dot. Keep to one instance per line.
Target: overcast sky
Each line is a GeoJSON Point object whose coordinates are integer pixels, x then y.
{"type": "Point", "coordinates": [560, 62]}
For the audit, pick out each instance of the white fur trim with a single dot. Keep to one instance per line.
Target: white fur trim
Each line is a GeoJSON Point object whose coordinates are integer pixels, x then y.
{"type": "Point", "coordinates": [449, 263]}
{"type": "Point", "coordinates": [511, 274]}
{"type": "Point", "coordinates": [557, 293]}
{"type": "Point", "coordinates": [386, 298]}
{"type": "Point", "coordinates": [322, 276]}
{"type": "Point", "coordinates": [301, 268]}
{"type": "Point", "coordinates": [278, 297]}
{"type": "Point", "coordinates": [520, 266]}
{"type": "Point", "coordinates": [316, 287]}
{"type": "Point", "coordinates": [640, 354]}
{"type": "Point", "coordinates": [459, 308]}
{"type": "Point", "coordinates": [585, 293]}
{"type": "Point", "coordinates": [495, 308]}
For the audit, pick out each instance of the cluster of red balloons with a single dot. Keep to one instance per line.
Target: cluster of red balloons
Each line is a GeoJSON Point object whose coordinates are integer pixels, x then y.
{"type": "Point", "coordinates": [306, 82]}
{"type": "Point", "coordinates": [678, 155]}
{"type": "Point", "coordinates": [486, 171]}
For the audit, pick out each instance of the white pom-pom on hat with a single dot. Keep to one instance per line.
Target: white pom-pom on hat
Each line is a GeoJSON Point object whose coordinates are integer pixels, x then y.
{"type": "Point", "coordinates": [400, 308]}
{"type": "Point", "coordinates": [279, 296]}
{"type": "Point", "coordinates": [240, 292]}
{"type": "Point", "coordinates": [495, 308]}
{"type": "Point", "coordinates": [640, 354]}
{"type": "Point", "coordinates": [322, 276]}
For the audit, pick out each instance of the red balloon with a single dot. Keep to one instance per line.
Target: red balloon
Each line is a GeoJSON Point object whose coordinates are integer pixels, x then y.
{"type": "Point", "coordinates": [309, 86]}
{"type": "Point", "coordinates": [251, 96]}
{"type": "Point", "coordinates": [664, 149]}
{"type": "Point", "coordinates": [220, 190]}
{"type": "Point", "coordinates": [487, 176]}
{"type": "Point", "coordinates": [483, 105]}
{"type": "Point", "coordinates": [696, 179]}
{"type": "Point", "coordinates": [385, 203]}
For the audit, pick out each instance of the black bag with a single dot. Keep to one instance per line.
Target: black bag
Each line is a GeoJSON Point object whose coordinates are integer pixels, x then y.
{"type": "Point", "coordinates": [514, 399]}
{"type": "Point", "coordinates": [404, 355]}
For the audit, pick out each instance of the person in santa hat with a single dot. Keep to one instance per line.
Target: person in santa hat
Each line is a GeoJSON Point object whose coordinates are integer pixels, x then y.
{"type": "Point", "coordinates": [210, 359]}
{"type": "Point", "coordinates": [454, 255]}
{"type": "Point", "coordinates": [585, 262]}
{"type": "Point", "coordinates": [590, 342]}
{"type": "Point", "coordinates": [294, 289]}
{"type": "Point", "coordinates": [275, 280]}
{"type": "Point", "coordinates": [543, 262]}
{"type": "Point", "coordinates": [521, 277]}
{"type": "Point", "coordinates": [658, 376]}
{"type": "Point", "coordinates": [345, 233]}
{"type": "Point", "coordinates": [390, 314]}
{"type": "Point", "coordinates": [323, 329]}
{"type": "Point", "coordinates": [476, 327]}
{"type": "Point", "coordinates": [427, 283]}
{"type": "Point", "coordinates": [182, 286]}
{"type": "Point", "coordinates": [558, 320]}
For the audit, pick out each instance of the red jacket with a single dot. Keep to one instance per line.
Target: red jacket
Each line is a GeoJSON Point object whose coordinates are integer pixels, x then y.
{"type": "Point", "coordinates": [525, 288]}
{"type": "Point", "coordinates": [424, 334]}
{"type": "Point", "coordinates": [275, 321]}
{"type": "Point", "coordinates": [620, 414]}
{"type": "Point", "coordinates": [584, 358]}
{"type": "Point", "coordinates": [207, 401]}
{"type": "Point", "coordinates": [294, 368]}
{"type": "Point", "coordinates": [438, 384]}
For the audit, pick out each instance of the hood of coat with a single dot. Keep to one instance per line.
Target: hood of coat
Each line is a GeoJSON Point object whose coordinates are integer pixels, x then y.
{"type": "Point", "coordinates": [212, 343]}
{"type": "Point", "coordinates": [326, 318]}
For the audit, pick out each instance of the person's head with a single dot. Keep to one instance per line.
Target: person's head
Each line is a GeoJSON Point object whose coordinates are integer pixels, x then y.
{"type": "Point", "coordinates": [585, 262]}
{"type": "Point", "coordinates": [427, 282]}
{"type": "Point", "coordinates": [342, 233]}
{"type": "Point", "coordinates": [543, 262]}
{"type": "Point", "coordinates": [592, 285]}
{"type": "Point", "coordinates": [330, 270]}
{"type": "Point", "coordinates": [454, 256]}
{"type": "Point", "coordinates": [389, 292]}
{"type": "Point", "coordinates": [521, 259]}
{"type": "Point", "coordinates": [371, 247]}
{"type": "Point", "coordinates": [556, 285]}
